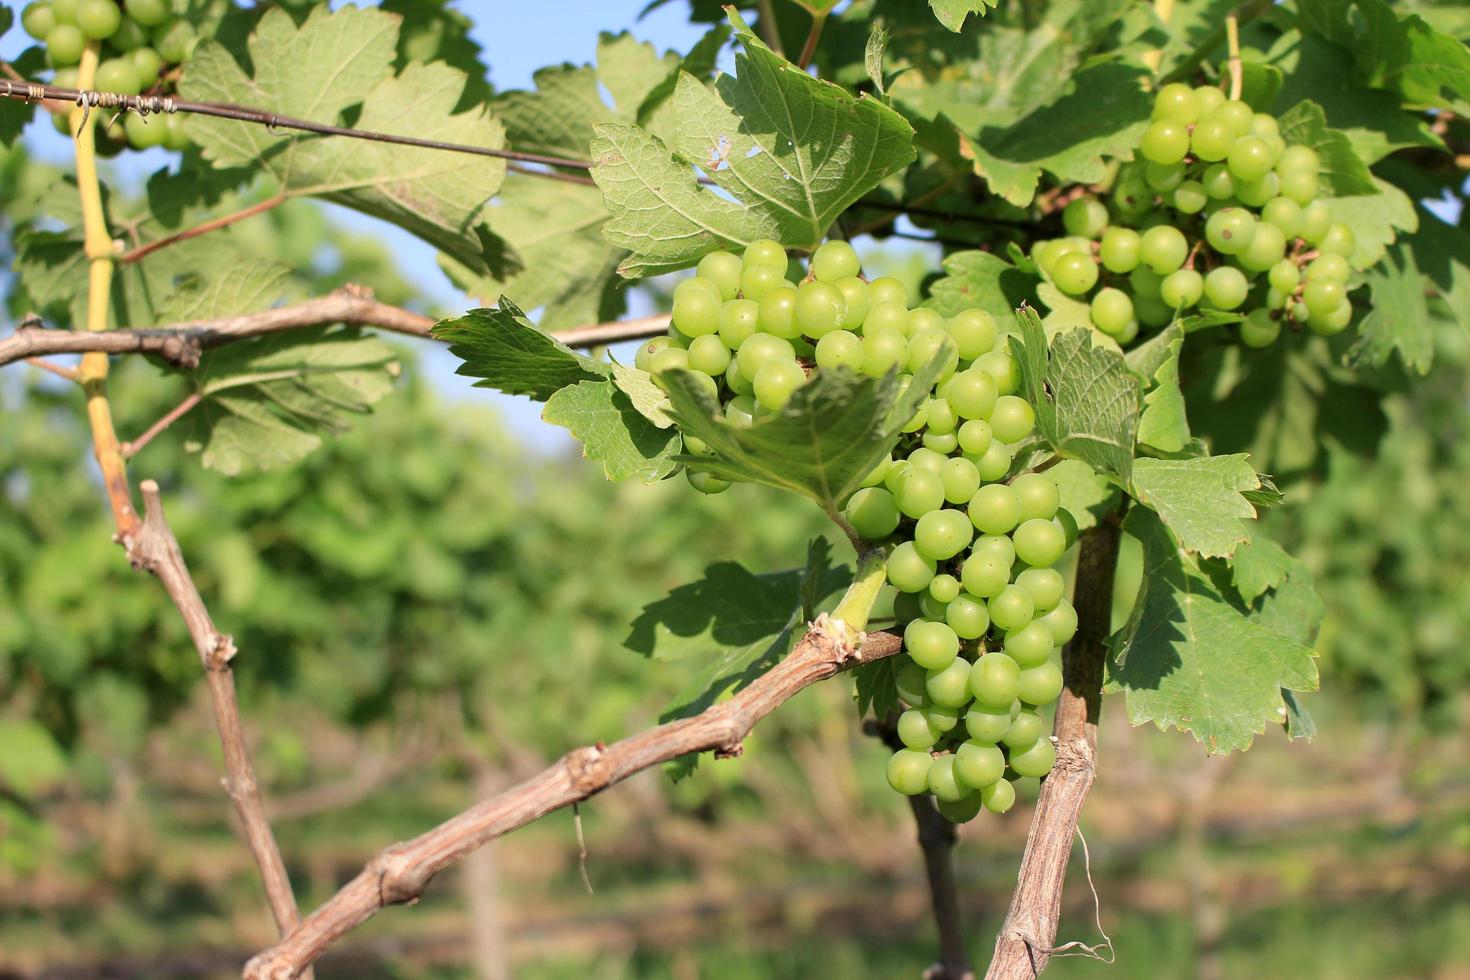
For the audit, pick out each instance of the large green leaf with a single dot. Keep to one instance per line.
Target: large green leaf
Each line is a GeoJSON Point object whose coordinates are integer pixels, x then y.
{"type": "Point", "coordinates": [789, 152]}
{"type": "Point", "coordinates": [613, 432]}
{"type": "Point", "coordinates": [333, 63]}
{"type": "Point", "coordinates": [1164, 423]}
{"type": "Point", "coordinates": [981, 279]}
{"type": "Point", "coordinates": [1399, 316]}
{"type": "Point", "coordinates": [830, 435]}
{"type": "Point", "coordinates": [501, 348]}
{"type": "Point", "coordinates": [1343, 172]}
{"type": "Point", "coordinates": [1375, 220]}
{"type": "Point", "coordinates": [952, 13]}
{"type": "Point", "coordinates": [1401, 53]}
{"type": "Point", "coordinates": [1192, 657]}
{"type": "Point", "coordinates": [1201, 500]}
{"type": "Point", "coordinates": [1086, 399]}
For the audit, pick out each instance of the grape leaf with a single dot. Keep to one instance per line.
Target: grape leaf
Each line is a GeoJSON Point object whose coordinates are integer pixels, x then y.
{"type": "Point", "coordinates": [952, 13]}
{"type": "Point", "coordinates": [1343, 172]}
{"type": "Point", "coordinates": [333, 63]}
{"type": "Point", "coordinates": [830, 435]}
{"type": "Point", "coordinates": [1085, 397]}
{"type": "Point", "coordinates": [790, 151]}
{"type": "Point", "coordinates": [1164, 423]}
{"type": "Point", "coordinates": [432, 30]}
{"type": "Point", "coordinates": [1102, 114]}
{"type": "Point", "coordinates": [1375, 220]}
{"type": "Point", "coordinates": [613, 432]}
{"type": "Point", "coordinates": [732, 626]}
{"type": "Point", "coordinates": [1086, 494]}
{"type": "Point", "coordinates": [1259, 565]}
{"type": "Point", "coordinates": [1398, 318]}
{"type": "Point", "coordinates": [974, 278]}
{"type": "Point", "coordinates": [501, 348]}
{"type": "Point", "coordinates": [1191, 658]}
{"type": "Point", "coordinates": [1200, 499]}
{"type": "Point", "coordinates": [1400, 53]}
{"type": "Point", "coordinates": [873, 56]}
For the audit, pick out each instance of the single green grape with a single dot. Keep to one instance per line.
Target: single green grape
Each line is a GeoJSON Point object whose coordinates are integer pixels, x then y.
{"type": "Point", "coordinates": [1163, 249]}
{"type": "Point", "coordinates": [1256, 193]}
{"type": "Point", "coordinates": [979, 764]}
{"type": "Point", "coordinates": [931, 645]}
{"type": "Point", "coordinates": [887, 316]}
{"type": "Point", "coordinates": [988, 725]}
{"type": "Point", "coordinates": [1182, 289]}
{"type": "Point", "coordinates": [1086, 216]}
{"type": "Point", "coordinates": [1011, 608]}
{"type": "Point", "coordinates": [975, 436]}
{"type": "Point", "coordinates": [1038, 495]}
{"type": "Point", "coordinates": [1041, 684]}
{"type": "Point", "coordinates": [38, 19]}
{"type": "Point", "coordinates": [98, 19]}
{"type": "Point", "coordinates": [967, 616]}
{"type": "Point", "coordinates": [920, 492]}
{"type": "Point", "coordinates": [1074, 273]}
{"type": "Point", "coordinates": [1119, 249]}
{"type": "Point", "coordinates": [1062, 621]}
{"type": "Point", "coordinates": [962, 811]}
{"type": "Point", "coordinates": [1176, 102]}
{"type": "Point", "coordinates": [706, 483]}
{"type": "Point", "coordinates": [1316, 222]}
{"type": "Point", "coordinates": [856, 301]}
{"type": "Point", "coordinates": [942, 534]}
{"type": "Point", "coordinates": [973, 395]}
{"type": "Point", "coordinates": [1039, 543]}
{"type": "Point", "coordinates": [997, 546]}
{"type": "Point", "coordinates": [1267, 247]}
{"type": "Point", "coordinates": [758, 280]}
{"type": "Point", "coordinates": [1217, 182]}
{"type": "Point", "coordinates": [927, 459]}
{"type": "Point", "coordinates": [1235, 114]}
{"type": "Point", "coordinates": [819, 308]}
{"type": "Point", "coordinates": [1284, 276]}
{"type": "Point", "coordinates": [1211, 140]}
{"type": "Point", "coordinates": [143, 132]}
{"type": "Point", "coordinates": [1322, 294]}
{"type": "Point", "coordinates": [1111, 310]}
{"type": "Point", "coordinates": [1229, 230]}
{"type": "Point", "coordinates": [973, 332]}
{"type": "Point", "coordinates": [1165, 141]}
{"type": "Point", "coordinates": [908, 771]}
{"type": "Point", "coordinates": [1012, 419]}
{"type": "Point", "coordinates": [1029, 645]}
{"type": "Point", "coordinates": [118, 75]}
{"type": "Point", "coordinates": [995, 508]}
{"type": "Point", "coordinates": [1299, 186]}
{"type": "Point", "coordinates": [1046, 585]}
{"type": "Point", "coordinates": [927, 343]}
{"type": "Point", "coordinates": [945, 719]}
{"type": "Point", "coordinates": [739, 321]}
{"type": "Point", "coordinates": [1339, 240]}
{"type": "Point", "coordinates": [942, 417]}
{"type": "Point", "coordinates": [834, 260]}
{"type": "Point", "coordinates": [1036, 760]}
{"type": "Point", "coordinates": [916, 731]}
{"type": "Point", "coordinates": [762, 349]}
{"type": "Point", "coordinates": [994, 679]}
{"type": "Point", "coordinates": [883, 351]}
{"type": "Point", "coordinates": [944, 784]}
{"type": "Point", "coordinates": [873, 513]}
{"type": "Point", "coordinates": [949, 687]}
{"type": "Point", "coordinates": [1163, 177]}
{"type": "Point", "coordinates": [998, 797]}
{"type": "Point", "coordinates": [128, 37]}
{"type": "Point", "coordinates": [64, 45]}
{"type": "Point", "coordinates": [1329, 266]}
{"type": "Point", "coordinates": [911, 678]}
{"type": "Point", "coordinates": [886, 289]}
{"type": "Point", "coordinates": [1332, 321]}
{"type": "Point", "coordinates": [1299, 158]}
{"type": "Point", "coordinates": [697, 312]}
{"type": "Point", "coordinates": [147, 63]}
{"type": "Point", "coordinates": [1026, 728]}
{"type": "Point", "coordinates": [148, 13]}
{"type": "Point", "coordinates": [175, 40]}
{"type": "Point", "coordinates": [767, 253]}
{"type": "Point", "coordinates": [840, 349]}
{"type": "Point", "coordinates": [1284, 213]}
{"type": "Point", "coordinates": [709, 354]}
{"type": "Point", "coordinates": [1250, 157]}
{"type": "Point", "coordinates": [1225, 288]}
{"type": "Point", "coordinates": [984, 576]}
{"type": "Point", "coordinates": [1260, 329]}
{"type": "Point", "coordinates": [1189, 197]}
{"type": "Point", "coordinates": [994, 463]}
{"type": "Point", "coordinates": [723, 269]}
{"type": "Point", "coordinates": [944, 588]}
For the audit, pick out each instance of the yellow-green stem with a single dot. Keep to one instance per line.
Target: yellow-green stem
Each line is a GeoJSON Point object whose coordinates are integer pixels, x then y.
{"type": "Point", "coordinates": [99, 250]}
{"type": "Point", "coordinates": [1232, 40]}
{"type": "Point", "coordinates": [857, 604]}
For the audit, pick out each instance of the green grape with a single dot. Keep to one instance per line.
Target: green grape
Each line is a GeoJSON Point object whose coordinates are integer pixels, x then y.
{"type": "Point", "coordinates": [1208, 98]}
{"type": "Point", "coordinates": [1119, 249]}
{"type": "Point", "coordinates": [819, 308]}
{"type": "Point", "coordinates": [1036, 760]}
{"type": "Point", "coordinates": [1031, 644]}
{"type": "Point", "coordinates": [709, 354]}
{"type": "Point", "coordinates": [128, 36]}
{"type": "Point", "coordinates": [766, 253]}
{"type": "Point", "coordinates": [967, 616]}
{"type": "Point", "coordinates": [1235, 114]}
{"type": "Point", "coordinates": [706, 483]}
{"type": "Point", "coordinates": [962, 811]}
{"type": "Point", "coordinates": [758, 280]}
{"type": "Point", "coordinates": [995, 508]}
{"type": "Point", "coordinates": [1062, 621]}
{"type": "Point", "coordinates": [1128, 333]}
{"type": "Point", "coordinates": [909, 571]}
{"type": "Point", "coordinates": [930, 607]}
{"type": "Point", "coordinates": [1217, 182]}
{"type": "Point", "coordinates": [1011, 608]}
{"type": "Point", "coordinates": [1039, 543]}
{"type": "Point", "coordinates": [147, 63]}
{"type": "Point", "coordinates": [1189, 197]}
{"type": "Point", "coordinates": [984, 576]}
{"type": "Point", "coordinates": [1332, 321]}
{"type": "Point", "coordinates": [945, 719]}
{"type": "Point", "coordinates": [973, 332]}
{"type": "Point", "coordinates": [697, 313]}
{"type": "Point", "coordinates": [911, 678]}
{"type": "Point", "coordinates": [873, 513]}
{"type": "Point", "coordinates": [1152, 311]}
{"type": "Point", "coordinates": [1260, 329]}
{"type": "Point", "coordinates": [916, 731]}
{"type": "Point", "coordinates": [972, 394]}
{"type": "Point", "coordinates": [995, 463]}
{"type": "Point", "coordinates": [1285, 214]}
{"type": "Point", "coordinates": [979, 764]}
{"type": "Point", "coordinates": [646, 350]}
{"type": "Point", "coordinates": [1267, 247]}
{"type": "Point", "coordinates": [1012, 419]}
{"type": "Point", "coordinates": [1299, 186]}
{"type": "Point", "coordinates": [908, 771]}
{"type": "Point", "coordinates": [1182, 289]}
{"type": "Point", "coordinates": [118, 75]}
{"type": "Point", "coordinates": [38, 19]}
{"type": "Point", "coordinates": [64, 45]}
{"type": "Point", "coordinates": [998, 797]}
{"type": "Point", "coordinates": [1225, 288]}
{"type": "Point", "coordinates": [1074, 274]}
{"type": "Point", "coordinates": [1316, 222]}
{"type": "Point", "coordinates": [943, 782]}
{"type": "Point", "coordinates": [927, 459]}
{"type": "Point", "coordinates": [1111, 310]}
{"type": "Point", "coordinates": [1229, 230]}
{"type": "Point", "coordinates": [723, 269]}
{"type": "Point", "coordinates": [886, 289]}
{"type": "Point", "coordinates": [997, 546]}
{"type": "Point", "coordinates": [1299, 312]}
{"type": "Point", "coordinates": [98, 19]}
{"type": "Point", "coordinates": [975, 436]}
{"type": "Point", "coordinates": [143, 133]}
{"type": "Point", "coordinates": [855, 301]}
{"type": "Point", "coordinates": [1046, 586]}
{"type": "Point", "coordinates": [924, 318]}
{"type": "Point", "coordinates": [696, 446]}
{"type": "Point", "coordinates": [1038, 495]}
{"type": "Point", "coordinates": [834, 260]}
{"type": "Point", "coordinates": [898, 472]}
{"type": "Point", "coordinates": [942, 534]}
{"type": "Point", "coordinates": [883, 351]}
{"type": "Point", "coordinates": [944, 588]}
{"type": "Point", "coordinates": [1299, 158]}
{"type": "Point", "coordinates": [1163, 249]}
{"type": "Point", "coordinates": [175, 41]}
{"type": "Point", "coordinates": [1339, 240]}
{"type": "Point", "coordinates": [840, 349]}
{"type": "Point", "coordinates": [1163, 177]}
{"type": "Point", "coordinates": [1026, 729]}
{"type": "Point", "coordinates": [994, 679]}
{"type": "Point", "coordinates": [1145, 283]}
{"type": "Point", "coordinates": [876, 474]}
{"type": "Point", "coordinates": [1086, 216]}
{"type": "Point", "coordinates": [925, 344]}
{"type": "Point", "coordinates": [761, 349]}
{"type": "Point", "coordinates": [961, 479]}
{"type": "Point", "coordinates": [946, 443]}
{"type": "Point", "coordinates": [1176, 102]}
{"type": "Point", "coordinates": [920, 492]}
{"type": "Point", "coordinates": [148, 13]}
{"type": "Point", "coordinates": [1165, 141]}
{"type": "Point", "coordinates": [1284, 276]}
{"type": "Point", "coordinates": [917, 422]}
{"type": "Point", "coordinates": [1267, 129]}
{"type": "Point", "coordinates": [988, 725]}
{"type": "Point", "coordinates": [66, 11]}
{"type": "Point", "coordinates": [888, 316]}
{"type": "Point", "coordinates": [738, 383]}
{"type": "Point", "coordinates": [1329, 267]}
{"type": "Point", "coordinates": [1323, 294]}
{"type": "Point", "coordinates": [949, 687]}
{"type": "Point", "coordinates": [932, 646]}
{"type": "Point", "coordinates": [1250, 157]}
{"type": "Point", "coordinates": [1211, 140]}
{"type": "Point", "coordinates": [1000, 366]}
{"type": "Point", "coordinates": [1041, 684]}
{"type": "Point", "coordinates": [1257, 192]}
{"type": "Point", "coordinates": [669, 359]}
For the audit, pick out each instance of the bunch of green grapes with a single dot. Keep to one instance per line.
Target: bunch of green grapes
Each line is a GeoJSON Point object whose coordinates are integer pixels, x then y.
{"type": "Point", "coordinates": [1219, 213]}
{"type": "Point", "coordinates": [983, 610]}
{"type": "Point", "coordinates": [141, 42]}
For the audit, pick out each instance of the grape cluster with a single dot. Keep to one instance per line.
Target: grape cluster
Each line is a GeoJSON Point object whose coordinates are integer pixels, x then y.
{"type": "Point", "coordinates": [983, 609]}
{"type": "Point", "coordinates": [1218, 213]}
{"type": "Point", "coordinates": [141, 42]}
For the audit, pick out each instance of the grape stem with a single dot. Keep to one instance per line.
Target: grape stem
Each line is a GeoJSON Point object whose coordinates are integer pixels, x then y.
{"type": "Point", "coordinates": [1026, 939]}
{"type": "Point", "coordinates": [809, 49]}
{"type": "Point", "coordinates": [1232, 41]}
{"type": "Point", "coordinates": [857, 603]}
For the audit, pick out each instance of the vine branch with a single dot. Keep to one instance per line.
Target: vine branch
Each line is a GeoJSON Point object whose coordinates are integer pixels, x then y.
{"type": "Point", "coordinates": [203, 228]}
{"type": "Point", "coordinates": [399, 873]}
{"type": "Point", "coordinates": [1026, 938]}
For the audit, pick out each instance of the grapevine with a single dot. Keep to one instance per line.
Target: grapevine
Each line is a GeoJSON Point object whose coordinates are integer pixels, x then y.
{"type": "Point", "coordinates": [971, 545]}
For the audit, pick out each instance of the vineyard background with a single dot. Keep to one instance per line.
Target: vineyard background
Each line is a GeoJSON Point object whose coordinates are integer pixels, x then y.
{"type": "Point", "coordinates": [431, 589]}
